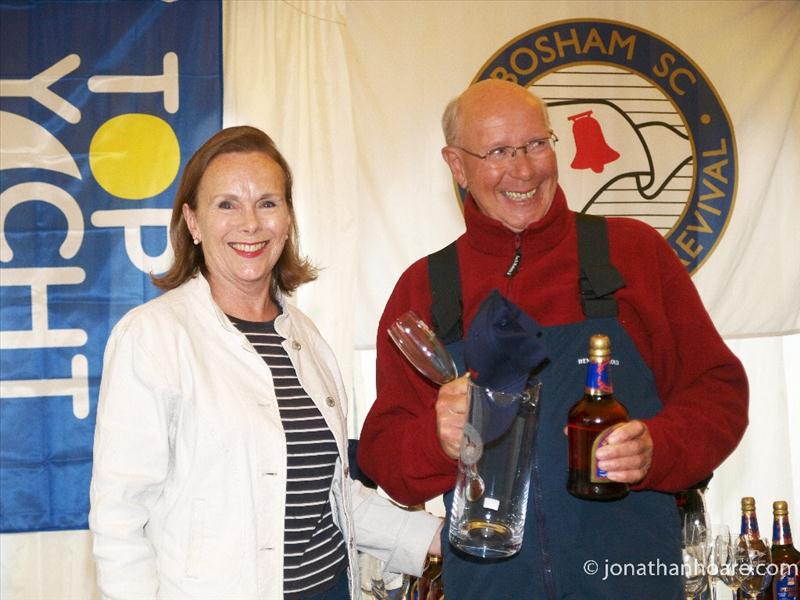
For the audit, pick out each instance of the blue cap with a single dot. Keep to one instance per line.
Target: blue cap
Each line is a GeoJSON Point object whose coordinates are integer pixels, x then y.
{"type": "Point", "coordinates": [503, 345]}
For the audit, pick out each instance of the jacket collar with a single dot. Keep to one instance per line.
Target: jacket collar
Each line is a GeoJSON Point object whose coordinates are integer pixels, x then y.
{"type": "Point", "coordinates": [489, 236]}
{"type": "Point", "coordinates": [199, 288]}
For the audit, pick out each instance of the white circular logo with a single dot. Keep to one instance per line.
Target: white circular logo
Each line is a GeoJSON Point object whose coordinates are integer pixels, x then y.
{"type": "Point", "coordinates": [642, 132]}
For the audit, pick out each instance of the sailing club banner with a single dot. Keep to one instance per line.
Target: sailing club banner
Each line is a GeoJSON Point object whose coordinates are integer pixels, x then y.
{"type": "Point", "coordinates": [101, 105]}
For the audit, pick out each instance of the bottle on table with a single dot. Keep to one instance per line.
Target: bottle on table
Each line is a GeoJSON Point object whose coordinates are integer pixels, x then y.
{"type": "Point", "coordinates": [750, 531]}
{"type": "Point", "coordinates": [785, 556]}
{"type": "Point", "coordinates": [591, 420]}
{"type": "Point", "coordinates": [430, 585]}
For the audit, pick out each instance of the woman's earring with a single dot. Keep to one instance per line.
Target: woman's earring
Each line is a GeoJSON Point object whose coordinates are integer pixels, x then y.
{"type": "Point", "coordinates": [196, 241]}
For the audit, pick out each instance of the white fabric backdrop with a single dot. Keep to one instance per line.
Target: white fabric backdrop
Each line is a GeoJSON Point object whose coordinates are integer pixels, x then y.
{"type": "Point", "coordinates": [286, 72]}
{"type": "Point", "coordinates": [352, 93]}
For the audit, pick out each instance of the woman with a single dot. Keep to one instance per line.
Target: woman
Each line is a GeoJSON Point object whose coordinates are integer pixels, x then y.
{"type": "Point", "coordinates": [220, 456]}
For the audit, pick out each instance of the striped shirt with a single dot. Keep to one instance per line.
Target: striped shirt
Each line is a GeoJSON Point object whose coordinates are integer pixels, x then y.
{"type": "Point", "coordinates": [314, 549]}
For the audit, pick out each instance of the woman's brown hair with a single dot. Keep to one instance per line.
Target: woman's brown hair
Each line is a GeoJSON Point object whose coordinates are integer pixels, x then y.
{"type": "Point", "coordinates": [291, 270]}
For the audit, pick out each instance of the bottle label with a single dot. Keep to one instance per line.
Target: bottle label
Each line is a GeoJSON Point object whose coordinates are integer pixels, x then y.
{"type": "Point", "coordinates": [786, 588]}
{"type": "Point", "coordinates": [781, 533]}
{"type": "Point", "coordinates": [749, 526]}
{"type": "Point", "coordinates": [598, 378]}
{"type": "Point", "coordinates": [596, 474]}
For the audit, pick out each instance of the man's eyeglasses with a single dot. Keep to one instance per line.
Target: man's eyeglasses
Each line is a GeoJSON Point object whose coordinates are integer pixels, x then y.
{"type": "Point", "coordinates": [505, 154]}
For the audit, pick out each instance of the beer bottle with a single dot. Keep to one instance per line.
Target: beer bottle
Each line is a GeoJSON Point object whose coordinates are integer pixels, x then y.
{"type": "Point", "coordinates": [750, 530]}
{"type": "Point", "coordinates": [785, 556]}
{"type": "Point", "coordinates": [430, 585]}
{"type": "Point", "coordinates": [591, 420]}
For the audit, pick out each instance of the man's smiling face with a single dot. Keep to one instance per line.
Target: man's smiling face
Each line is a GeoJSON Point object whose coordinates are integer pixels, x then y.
{"type": "Point", "coordinates": [494, 114]}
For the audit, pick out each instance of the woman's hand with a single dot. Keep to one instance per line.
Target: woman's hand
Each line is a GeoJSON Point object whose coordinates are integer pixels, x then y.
{"type": "Point", "coordinates": [436, 543]}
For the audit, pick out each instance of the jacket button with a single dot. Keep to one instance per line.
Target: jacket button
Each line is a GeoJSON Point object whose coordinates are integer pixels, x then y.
{"type": "Point", "coordinates": [330, 401]}
{"type": "Point", "coordinates": [347, 471]}
{"type": "Point", "coordinates": [296, 345]}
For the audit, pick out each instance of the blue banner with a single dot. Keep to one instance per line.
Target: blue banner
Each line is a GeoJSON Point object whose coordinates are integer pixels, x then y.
{"type": "Point", "coordinates": [101, 105]}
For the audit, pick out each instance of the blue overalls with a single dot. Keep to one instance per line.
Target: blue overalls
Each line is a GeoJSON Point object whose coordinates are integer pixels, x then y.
{"type": "Point", "coordinates": [578, 549]}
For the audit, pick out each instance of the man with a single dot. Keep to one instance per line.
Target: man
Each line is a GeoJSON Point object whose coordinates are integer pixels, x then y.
{"type": "Point", "coordinates": [686, 392]}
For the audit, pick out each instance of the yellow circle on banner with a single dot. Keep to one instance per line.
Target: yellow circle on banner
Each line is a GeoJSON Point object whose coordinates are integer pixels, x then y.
{"type": "Point", "coordinates": [134, 156]}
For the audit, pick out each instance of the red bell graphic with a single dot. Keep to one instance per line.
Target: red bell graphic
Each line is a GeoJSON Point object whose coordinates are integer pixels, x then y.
{"type": "Point", "coordinates": [591, 150]}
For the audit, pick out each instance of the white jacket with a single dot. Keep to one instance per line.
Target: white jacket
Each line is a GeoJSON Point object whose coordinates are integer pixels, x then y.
{"type": "Point", "coordinates": [189, 478]}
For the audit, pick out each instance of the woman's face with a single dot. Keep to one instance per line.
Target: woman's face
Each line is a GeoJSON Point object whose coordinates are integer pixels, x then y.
{"type": "Point", "coordinates": [242, 221]}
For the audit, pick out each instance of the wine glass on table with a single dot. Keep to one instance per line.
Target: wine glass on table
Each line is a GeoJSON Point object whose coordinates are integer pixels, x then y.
{"type": "Point", "coordinates": [695, 581]}
{"type": "Point", "coordinates": [755, 564]}
{"type": "Point", "coordinates": [696, 537]}
{"type": "Point", "coordinates": [696, 553]}
{"type": "Point", "coordinates": [724, 554]}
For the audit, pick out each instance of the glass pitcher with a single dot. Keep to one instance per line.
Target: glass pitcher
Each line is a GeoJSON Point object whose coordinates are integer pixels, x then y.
{"type": "Point", "coordinates": [487, 517]}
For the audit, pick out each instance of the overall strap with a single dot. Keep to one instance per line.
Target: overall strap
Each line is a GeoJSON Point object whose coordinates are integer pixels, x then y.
{"type": "Point", "coordinates": [446, 305]}
{"type": "Point", "coordinates": [599, 279]}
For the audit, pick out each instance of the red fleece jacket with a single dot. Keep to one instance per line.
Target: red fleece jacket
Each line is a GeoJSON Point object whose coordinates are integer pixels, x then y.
{"type": "Point", "coordinates": [702, 385]}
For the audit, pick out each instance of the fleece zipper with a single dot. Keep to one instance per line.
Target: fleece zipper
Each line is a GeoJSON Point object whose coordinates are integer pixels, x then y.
{"type": "Point", "coordinates": [514, 266]}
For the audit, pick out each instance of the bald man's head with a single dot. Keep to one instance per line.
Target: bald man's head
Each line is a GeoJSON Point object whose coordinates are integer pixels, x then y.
{"type": "Point", "coordinates": [485, 92]}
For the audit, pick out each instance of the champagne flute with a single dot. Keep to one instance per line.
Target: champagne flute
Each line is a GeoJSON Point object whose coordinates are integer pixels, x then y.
{"type": "Point", "coordinates": [429, 356]}
{"type": "Point", "coordinates": [725, 559]}
{"type": "Point", "coordinates": [422, 348]}
{"type": "Point", "coordinates": [695, 581]}
{"type": "Point", "coordinates": [695, 537]}
{"type": "Point", "coordinates": [697, 552]}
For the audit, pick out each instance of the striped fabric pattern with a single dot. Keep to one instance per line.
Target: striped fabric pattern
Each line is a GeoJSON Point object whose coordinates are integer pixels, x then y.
{"type": "Point", "coordinates": [314, 549]}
